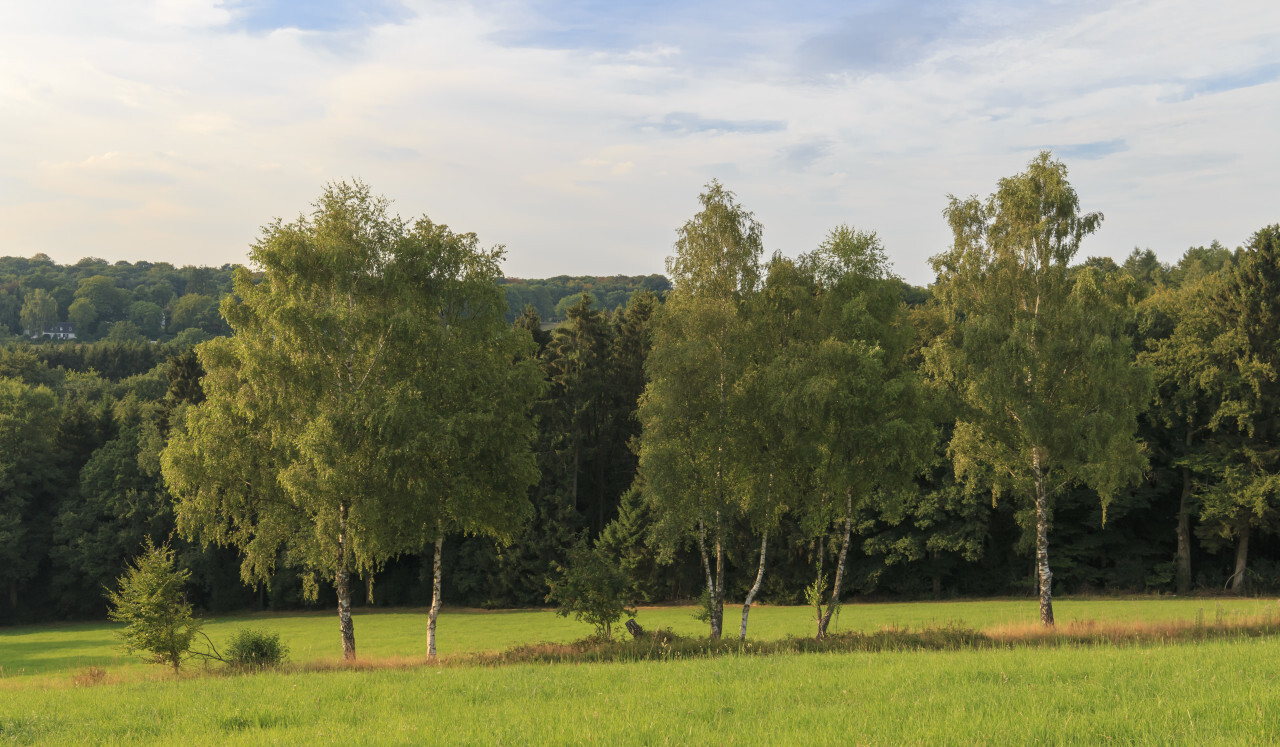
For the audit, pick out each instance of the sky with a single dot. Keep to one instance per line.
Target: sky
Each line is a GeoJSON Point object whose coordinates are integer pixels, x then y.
{"type": "Point", "coordinates": [579, 134]}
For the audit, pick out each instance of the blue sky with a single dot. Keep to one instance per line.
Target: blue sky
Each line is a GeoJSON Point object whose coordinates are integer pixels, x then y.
{"type": "Point", "coordinates": [578, 134]}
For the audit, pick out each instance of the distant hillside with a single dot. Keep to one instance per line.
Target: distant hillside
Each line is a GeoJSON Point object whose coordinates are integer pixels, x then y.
{"type": "Point", "coordinates": [130, 300]}
{"type": "Point", "coordinates": [158, 300]}
{"type": "Point", "coordinates": [551, 296]}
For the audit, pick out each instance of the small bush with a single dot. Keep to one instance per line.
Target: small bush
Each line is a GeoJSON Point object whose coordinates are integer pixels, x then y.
{"type": "Point", "coordinates": [254, 650]}
{"type": "Point", "coordinates": [592, 588]}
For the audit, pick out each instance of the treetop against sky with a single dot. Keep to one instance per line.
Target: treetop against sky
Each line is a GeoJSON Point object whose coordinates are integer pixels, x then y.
{"type": "Point", "coordinates": [578, 134]}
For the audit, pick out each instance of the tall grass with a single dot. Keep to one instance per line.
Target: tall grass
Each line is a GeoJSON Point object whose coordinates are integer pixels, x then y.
{"type": "Point", "coordinates": [1209, 692]}
{"type": "Point", "coordinates": [401, 634]}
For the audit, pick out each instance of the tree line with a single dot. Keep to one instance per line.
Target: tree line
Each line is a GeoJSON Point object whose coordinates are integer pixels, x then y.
{"type": "Point", "coordinates": [552, 297]}
{"type": "Point", "coordinates": [123, 302]}
{"type": "Point", "coordinates": [786, 429]}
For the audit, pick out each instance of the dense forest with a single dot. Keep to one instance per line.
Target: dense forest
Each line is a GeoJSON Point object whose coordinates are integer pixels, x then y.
{"type": "Point", "coordinates": [1113, 422]}
{"type": "Point", "coordinates": [551, 298]}
{"type": "Point", "coordinates": [127, 301]}
{"type": "Point", "coordinates": [123, 302]}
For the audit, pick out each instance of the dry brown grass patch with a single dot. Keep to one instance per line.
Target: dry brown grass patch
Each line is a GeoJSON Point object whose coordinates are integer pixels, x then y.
{"type": "Point", "coordinates": [89, 677]}
{"type": "Point", "coordinates": [1130, 632]}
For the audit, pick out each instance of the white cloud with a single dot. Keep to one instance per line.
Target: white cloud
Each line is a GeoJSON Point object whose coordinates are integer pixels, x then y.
{"type": "Point", "coordinates": [164, 131]}
{"type": "Point", "coordinates": [191, 13]}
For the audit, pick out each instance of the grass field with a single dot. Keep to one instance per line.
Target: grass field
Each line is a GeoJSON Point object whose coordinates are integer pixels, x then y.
{"type": "Point", "coordinates": [1221, 691]}
{"type": "Point", "coordinates": [313, 636]}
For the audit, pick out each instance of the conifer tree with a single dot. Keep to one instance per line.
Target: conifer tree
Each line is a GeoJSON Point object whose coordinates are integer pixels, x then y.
{"type": "Point", "coordinates": [150, 602]}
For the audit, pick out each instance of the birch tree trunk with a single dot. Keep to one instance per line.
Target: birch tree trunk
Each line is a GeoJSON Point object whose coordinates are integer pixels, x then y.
{"type": "Point", "coordinates": [706, 569]}
{"type": "Point", "coordinates": [1184, 535]}
{"type": "Point", "coordinates": [1242, 559]}
{"type": "Point", "coordinates": [717, 594]}
{"type": "Point", "coordinates": [342, 584]}
{"type": "Point", "coordinates": [1042, 541]}
{"type": "Point", "coordinates": [755, 588]}
{"type": "Point", "coordinates": [436, 573]}
{"type": "Point", "coordinates": [844, 553]}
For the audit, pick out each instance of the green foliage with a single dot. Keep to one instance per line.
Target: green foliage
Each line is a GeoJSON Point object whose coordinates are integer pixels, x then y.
{"type": "Point", "coordinates": [27, 468]}
{"type": "Point", "coordinates": [117, 504]}
{"type": "Point", "coordinates": [252, 649]}
{"type": "Point", "coordinates": [1036, 354]}
{"type": "Point", "coordinates": [94, 295]}
{"type": "Point", "coordinates": [124, 332]}
{"type": "Point", "coordinates": [1244, 494]}
{"type": "Point", "coordinates": [550, 298]}
{"type": "Point", "coordinates": [149, 601]}
{"type": "Point", "coordinates": [857, 420]}
{"type": "Point", "coordinates": [371, 400]}
{"type": "Point", "coordinates": [148, 317]}
{"type": "Point", "coordinates": [562, 308]}
{"type": "Point", "coordinates": [626, 538]}
{"type": "Point", "coordinates": [102, 295]}
{"type": "Point", "coordinates": [39, 311]}
{"type": "Point", "coordinates": [590, 587]}
{"type": "Point", "coordinates": [594, 367]}
{"type": "Point", "coordinates": [789, 409]}
{"type": "Point", "coordinates": [687, 448]}
{"type": "Point", "coordinates": [196, 311]}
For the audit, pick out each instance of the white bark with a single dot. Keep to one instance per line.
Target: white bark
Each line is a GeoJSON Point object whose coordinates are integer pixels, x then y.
{"type": "Point", "coordinates": [844, 553]}
{"type": "Point", "coordinates": [435, 599]}
{"type": "Point", "coordinates": [1042, 541]}
{"type": "Point", "coordinates": [342, 584]}
{"type": "Point", "coordinates": [755, 588]}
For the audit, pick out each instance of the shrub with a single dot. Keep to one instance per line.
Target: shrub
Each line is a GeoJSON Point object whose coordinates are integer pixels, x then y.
{"type": "Point", "coordinates": [149, 600]}
{"type": "Point", "coordinates": [591, 588]}
{"type": "Point", "coordinates": [255, 650]}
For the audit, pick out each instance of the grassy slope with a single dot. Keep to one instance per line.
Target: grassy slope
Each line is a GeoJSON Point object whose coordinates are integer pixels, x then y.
{"type": "Point", "coordinates": [1221, 692]}
{"type": "Point", "coordinates": [54, 649]}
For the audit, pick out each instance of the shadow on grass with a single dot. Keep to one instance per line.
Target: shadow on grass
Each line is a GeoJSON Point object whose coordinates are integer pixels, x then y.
{"type": "Point", "coordinates": [32, 657]}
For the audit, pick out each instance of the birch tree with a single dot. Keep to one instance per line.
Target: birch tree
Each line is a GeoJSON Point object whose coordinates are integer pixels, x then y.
{"type": "Point", "coordinates": [342, 416]}
{"type": "Point", "coordinates": [464, 463]}
{"type": "Point", "coordinates": [1036, 352]}
{"type": "Point", "coordinates": [779, 320]}
{"type": "Point", "coordinates": [854, 400]}
{"type": "Point", "coordinates": [686, 446]}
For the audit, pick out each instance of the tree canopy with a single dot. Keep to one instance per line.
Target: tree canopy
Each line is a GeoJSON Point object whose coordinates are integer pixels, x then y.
{"type": "Point", "coordinates": [1037, 353]}
{"type": "Point", "coordinates": [368, 372]}
{"type": "Point", "coordinates": [363, 405]}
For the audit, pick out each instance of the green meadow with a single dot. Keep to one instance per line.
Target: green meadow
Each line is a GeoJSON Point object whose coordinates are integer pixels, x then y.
{"type": "Point", "coordinates": [1216, 691]}
{"type": "Point", "coordinates": [313, 636]}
